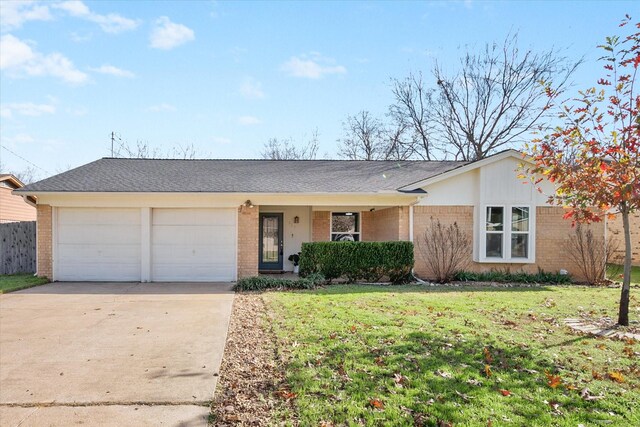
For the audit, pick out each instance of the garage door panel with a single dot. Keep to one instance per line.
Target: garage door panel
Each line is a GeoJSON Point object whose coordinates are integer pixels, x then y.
{"type": "Point", "coordinates": [100, 271]}
{"type": "Point", "coordinates": [183, 217]}
{"type": "Point", "coordinates": [193, 245]}
{"type": "Point", "coordinates": [98, 244]}
{"type": "Point", "coordinates": [104, 234]}
{"type": "Point", "coordinates": [95, 216]}
{"type": "Point", "coordinates": [191, 235]}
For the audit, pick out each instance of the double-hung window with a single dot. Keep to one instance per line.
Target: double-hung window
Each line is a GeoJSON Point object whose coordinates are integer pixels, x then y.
{"type": "Point", "coordinates": [345, 226]}
{"type": "Point", "coordinates": [506, 234]}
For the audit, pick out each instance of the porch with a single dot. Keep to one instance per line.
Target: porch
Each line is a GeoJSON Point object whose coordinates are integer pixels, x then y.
{"type": "Point", "coordinates": [278, 231]}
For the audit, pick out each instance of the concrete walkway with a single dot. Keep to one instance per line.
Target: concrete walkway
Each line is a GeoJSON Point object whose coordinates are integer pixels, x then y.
{"type": "Point", "coordinates": [111, 353]}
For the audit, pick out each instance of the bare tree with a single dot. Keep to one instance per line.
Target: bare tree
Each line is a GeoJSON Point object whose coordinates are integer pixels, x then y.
{"type": "Point", "coordinates": [144, 150]}
{"type": "Point", "coordinates": [363, 139]}
{"type": "Point", "coordinates": [496, 98]}
{"type": "Point", "coordinates": [287, 149]}
{"type": "Point", "coordinates": [411, 111]}
{"type": "Point", "coordinates": [445, 249]}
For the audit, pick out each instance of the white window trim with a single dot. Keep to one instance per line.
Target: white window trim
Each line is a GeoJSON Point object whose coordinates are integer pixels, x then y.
{"type": "Point", "coordinates": [358, 222]}
{"type": "Point", "coordinates": [506, 233]}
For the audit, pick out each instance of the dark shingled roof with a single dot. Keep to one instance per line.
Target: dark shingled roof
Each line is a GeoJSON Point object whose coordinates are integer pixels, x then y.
{"type": "Point", "coordinates": [242, 176]}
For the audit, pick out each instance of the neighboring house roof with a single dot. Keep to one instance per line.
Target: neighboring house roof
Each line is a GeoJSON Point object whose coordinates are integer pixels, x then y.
{"type": "Point", "coordinates": [12, 182]}
{"type": "Point", "coordinates": [242, 176]}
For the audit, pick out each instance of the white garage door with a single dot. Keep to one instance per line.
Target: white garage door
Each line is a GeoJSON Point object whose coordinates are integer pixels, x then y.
{"type": "Point", "coordinates": [98, 244]}
{"type": "Point", "coordinates": [193, 245]}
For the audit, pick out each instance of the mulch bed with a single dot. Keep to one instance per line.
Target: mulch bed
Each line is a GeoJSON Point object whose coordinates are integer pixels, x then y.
{"type": "Point", "coordinates": [251, 390]}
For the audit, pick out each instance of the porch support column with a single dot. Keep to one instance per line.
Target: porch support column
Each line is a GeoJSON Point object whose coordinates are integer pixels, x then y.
{"type": "Point", "coordinates": [248, 239]}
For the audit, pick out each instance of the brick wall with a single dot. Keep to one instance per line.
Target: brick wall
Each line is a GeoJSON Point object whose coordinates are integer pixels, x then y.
{"type": "Point", "coordinates": [320, 226]}
{"type": "Point", "coordinates": [615, 231]}
{"type": "Point", "coordinates": [552, 232]}
{"type": "Point", "coordinates": [384, 225]}
{"type": "Point", "coordinates": [44, 244]}
{"type": "Point", "coordinates": [248, 241]}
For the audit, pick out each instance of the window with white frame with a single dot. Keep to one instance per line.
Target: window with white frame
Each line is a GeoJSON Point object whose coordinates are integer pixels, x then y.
{"type": "Point", "coordinates": [507, 234]}
{"type": "Point", "coordinates": [345, 226]}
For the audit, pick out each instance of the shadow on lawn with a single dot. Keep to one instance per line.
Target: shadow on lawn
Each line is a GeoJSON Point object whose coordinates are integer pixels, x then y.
{"type": "Point", "coordinates": [358, 288]}
{"type": "Point", "coordinates": [445, 380]}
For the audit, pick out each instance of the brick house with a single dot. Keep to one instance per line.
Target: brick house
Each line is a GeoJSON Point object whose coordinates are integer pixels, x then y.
{"type": "Point", "coordinates": [219, 220]}
{"type": "Point", "coordinates": [13, 207]}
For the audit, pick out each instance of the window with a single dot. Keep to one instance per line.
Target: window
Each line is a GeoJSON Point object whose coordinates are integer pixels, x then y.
{"type": "Point", "coordinates": [507, 232]}
{"type": "Point", "coordinates": [345, 226]}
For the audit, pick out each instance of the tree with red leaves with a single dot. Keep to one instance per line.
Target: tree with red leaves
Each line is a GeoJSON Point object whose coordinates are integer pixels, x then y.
{"type": "Point", "coordinates": [592, 156]}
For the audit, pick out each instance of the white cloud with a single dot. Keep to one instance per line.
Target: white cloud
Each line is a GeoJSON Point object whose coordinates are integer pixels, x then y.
{"type": "Point", "coordinates": [251, 89]}
{"type": "Point", "coordinates": [15, 13]}
{"type": "Point", "coordinates": [18, 59]}
{"type": "Point", "coordinates": [113, 71]}
{"type": "Point", "coordinates": [159, 108]}
{"type": "Point", "coordinates": [167, 35]}
{"type": "Point", "coordinates": [26, 109]}
{"type": "Point", "coordinates": [110, 23]}
{"type": "Point", "coordinates": [249, 121]}
{"type": "Point", "coordinates": [312, 66]}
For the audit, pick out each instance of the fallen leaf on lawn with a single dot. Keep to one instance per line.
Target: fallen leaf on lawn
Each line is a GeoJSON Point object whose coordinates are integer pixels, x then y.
{"type": "Point", "coordinates": [586, 395]}
{"type": "Point", "coordinates": [596, 375]}
{"type": "Point", "coordinates": [376, 404]}
{"type": "Point", "coordinates": [474, 382]}
{"type": "Point", "coordinates": [555, 405]}
{"type": "Point", "coordinates": [379, 361]}
{"type": "Point", "coordinates": [295, 344]}
{"type": "Point", "coordinates": [333, 335]}
{"type": "Point", "coordinates": [286, 395]}
{"type": "Point", "coordinates": [505, 392]}
{"type": "Point", "coordinates": [487, 370]}
{"type": "Point", "coordinates": [463, 396]}
{"type": "Point", "coordinates": [489, 423]}
{"type": "Point", "coordinates": [443, 423]}
{"type": "Point", "coordinates": [553, 381]}
{"type": "Point", "coordinates": [629, 341]}
{"type": "Point", "coordinates": [487, 356]}
{"type": "Point", "coordinates": [353, 328]}
{"type": "Point", "coordinates": [601, 346]}
{"type": "Point", "coordinates": [443, 374]}
{"type": "Point", "coordinates": [399, 379]}
{"type": "Point", "coordinates": [628, 351]}
{"type": "Point", "coordinates": [616, 376]}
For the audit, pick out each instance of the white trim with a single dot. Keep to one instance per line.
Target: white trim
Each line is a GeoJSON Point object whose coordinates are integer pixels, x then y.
{"type": "Point", "coordinates": [463, 169]}
{"type": "Point", "coordinates": [358, 224]}
{"type": "Point", "coordinates": [506, 233]}
{"type": "Point", "coordinates": [54, 243]}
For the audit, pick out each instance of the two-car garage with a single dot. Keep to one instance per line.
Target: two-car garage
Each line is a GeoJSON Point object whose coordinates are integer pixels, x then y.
{"type": "Point", "coordinates": [144, 244]}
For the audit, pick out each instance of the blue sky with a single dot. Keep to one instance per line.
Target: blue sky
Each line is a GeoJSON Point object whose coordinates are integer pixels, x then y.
{"type": "Point", "coordinates": [226, 77]}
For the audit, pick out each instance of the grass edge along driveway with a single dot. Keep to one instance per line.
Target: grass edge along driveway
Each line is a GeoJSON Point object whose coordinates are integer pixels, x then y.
{"type": "Point", "coordinates": [411, 355]}
{"type": "Point", "coordinates": [16, 282]}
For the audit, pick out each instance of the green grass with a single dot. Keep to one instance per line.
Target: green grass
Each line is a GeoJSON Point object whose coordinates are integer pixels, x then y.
{"type": "Point", "coordinates": [614, 272]}
{"type": "Point", "coordinates": [15, 282]}
{"type": "Point", "coordinates": [420, 352]}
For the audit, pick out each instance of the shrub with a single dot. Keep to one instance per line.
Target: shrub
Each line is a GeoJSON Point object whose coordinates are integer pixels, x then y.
{"type": "Point", "coordinates": [368, 261]}
{"type": "Point", "coordinates": [261, 283]}
{"type": "Point", "coordinates": [445, 249]}
{"type": "Point", "coordinates": [506, 276]}
{"type": "Point", "coordinates": [591, 254]}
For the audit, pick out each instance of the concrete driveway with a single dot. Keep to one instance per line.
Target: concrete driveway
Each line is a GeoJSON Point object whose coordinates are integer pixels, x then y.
{"type": "Point", "coordinates": [111, 353]}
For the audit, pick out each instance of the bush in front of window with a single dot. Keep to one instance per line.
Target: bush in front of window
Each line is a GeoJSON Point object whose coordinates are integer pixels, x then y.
{"type": "Point", "coordinates": [358, 261]}
{"type": "Point", "coordinates": [506, 276]}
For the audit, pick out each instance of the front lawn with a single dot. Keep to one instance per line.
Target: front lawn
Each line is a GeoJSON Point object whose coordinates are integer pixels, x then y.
{"type": "Point", "coordinates": [614, 272]}
{"type": "Point", "coordinates": [413, 355]}
{"type": "Point", "coordinates": [15, 282]}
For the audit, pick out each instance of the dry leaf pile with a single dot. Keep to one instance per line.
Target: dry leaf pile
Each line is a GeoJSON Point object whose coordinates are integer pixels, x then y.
{"type": "Point", "coordinates": [251, 390]}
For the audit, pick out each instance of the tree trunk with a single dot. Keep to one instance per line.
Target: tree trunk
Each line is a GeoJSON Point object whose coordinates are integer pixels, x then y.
{"type": "Point", "coordinates": [623, 313]}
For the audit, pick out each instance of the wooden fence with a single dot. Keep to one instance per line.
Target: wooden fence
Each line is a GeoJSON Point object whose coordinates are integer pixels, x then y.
{"type": "Point", "coordinates": [18, 247]}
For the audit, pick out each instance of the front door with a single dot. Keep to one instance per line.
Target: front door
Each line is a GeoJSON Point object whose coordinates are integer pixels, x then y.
{"type": "Point", "coordinates": [271, 245]}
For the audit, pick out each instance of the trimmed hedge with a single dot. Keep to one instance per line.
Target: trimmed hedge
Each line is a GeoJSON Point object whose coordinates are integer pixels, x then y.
{"type": "Point", "coordinates": [505, 276]}
{"type": "Point", "coordinates": [367, 261]}
{"type": "Point", "coordinates": [261, 283]}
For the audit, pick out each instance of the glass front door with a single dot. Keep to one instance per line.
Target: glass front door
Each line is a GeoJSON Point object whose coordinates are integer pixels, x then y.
{"type": "Point", "coordinates": [271, 245]}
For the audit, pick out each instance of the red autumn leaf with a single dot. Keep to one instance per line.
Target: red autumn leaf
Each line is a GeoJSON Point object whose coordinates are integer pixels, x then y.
{"type": "Point", "coordinates": [376, 404]}
{"type": "Point", "coordinates": [505, 392]}
{"type": "Point", "coordinates": [553, 381]}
